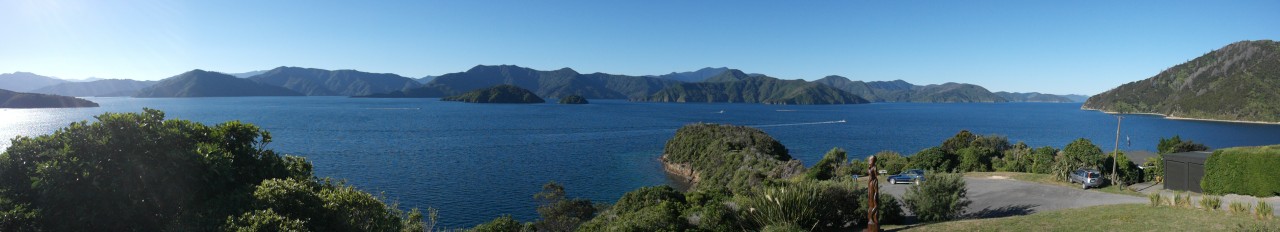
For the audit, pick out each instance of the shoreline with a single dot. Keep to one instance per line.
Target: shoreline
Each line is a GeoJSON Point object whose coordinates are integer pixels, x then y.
{"type": "Point", "coordinates": [687, 177]}
{"type": "Point", "coordinates": [1187, 119]}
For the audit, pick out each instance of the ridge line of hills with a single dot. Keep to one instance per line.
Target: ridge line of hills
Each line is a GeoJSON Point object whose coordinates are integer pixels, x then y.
{"type": "Point", "coordinates": [704, 85]}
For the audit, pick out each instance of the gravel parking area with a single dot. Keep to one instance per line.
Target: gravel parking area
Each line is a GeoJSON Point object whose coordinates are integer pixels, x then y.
{"type": "Point", "coordinates": [1000, 197]}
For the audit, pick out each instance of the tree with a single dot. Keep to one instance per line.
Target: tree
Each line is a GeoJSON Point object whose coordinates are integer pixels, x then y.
{"type": "Point", "coordinates": [961, 140]}
{"type": "Point", "coordinates": [1177, 145]}
{"type": "Point", "coordinates": [891, 161]}
{"type": "Point", "coordinates": [1042, 160]}
{"type": "Point", "coordinates": [934, 159]}
{"type": "Point", "coordinates": [1127, 171]}
{"type": "Point", "coordinates": [942, 197]}
{"type": "Point", "coordinates": [559, 213]}
{"type": "Point", "coordinates": [1080, 153]}
{"type": "Point", "coordinates": [827, 167]}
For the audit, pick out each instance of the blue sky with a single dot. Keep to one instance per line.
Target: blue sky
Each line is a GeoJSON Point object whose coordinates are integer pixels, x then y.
{"type": "Point", "coordinates": [1061, 47]}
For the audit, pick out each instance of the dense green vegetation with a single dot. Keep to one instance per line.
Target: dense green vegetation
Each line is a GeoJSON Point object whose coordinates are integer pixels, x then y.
{"type": "Point", "coordinates": [320, 82]}
{"type": "Point", "coordinates": [901, 91]}
{"type": "Point", "coordinates": [140, 172]}
{"type": "Point", "coordinates": [694, 76]}
{"type": "Point", "coordinates": [98, 88]}
{"type": "Point", "coordinates": [761, 89]}
{"type": "Point", "coordinates": [497, 94]}
{"type": "Point", "coordinates": [726, 156]}
{"type": "Point", "coordinates": [1251, 171]}
{"type": "Point", "coordinates": [10, 99]}
{"type": "Point", "coordinates": [552, 84]}
{"type": "Point", "coordinates": [1032, 97]}
{"type": "Point", "coordinates": [942, 197]}
{"type": "Point", "coordinates": [1240, 81]}
{"type": "Point", "coordinates": [200, 83]}
{"type": "Point", "coordinates": [573, 99]}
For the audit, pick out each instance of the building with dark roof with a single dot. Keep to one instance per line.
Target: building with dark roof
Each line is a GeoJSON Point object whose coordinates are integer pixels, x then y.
{"type": "Point", "coordinates": [1183, 171]}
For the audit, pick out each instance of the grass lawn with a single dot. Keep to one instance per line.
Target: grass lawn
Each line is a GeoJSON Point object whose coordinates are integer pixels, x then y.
{"type": "Point", "coordinates": [1046, 179]}
{"type": "Point", "coordinates": [1124, 217]}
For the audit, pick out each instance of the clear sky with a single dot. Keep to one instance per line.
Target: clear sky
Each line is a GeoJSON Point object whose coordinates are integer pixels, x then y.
{"type": "Point", "coordinates": [1062, 47]}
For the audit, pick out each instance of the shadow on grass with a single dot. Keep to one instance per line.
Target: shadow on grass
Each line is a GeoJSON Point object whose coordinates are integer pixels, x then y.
{"type": "Point", "coordinates": [1006, 211]}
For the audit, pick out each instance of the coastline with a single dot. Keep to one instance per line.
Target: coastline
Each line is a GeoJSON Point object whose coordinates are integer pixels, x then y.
{"type": "Point", "coordinates": [1165, 116]}
{"type": "Point", "coordinates": [682, 171]}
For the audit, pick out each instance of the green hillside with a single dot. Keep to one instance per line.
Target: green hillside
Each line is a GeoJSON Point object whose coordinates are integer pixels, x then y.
{"type": "Point", "coordinates": [200, 83]}
{"type": "Point", "coordinates": [553, 84]}
{"type": "Point", "coordinates": [497, 94]}
{"type": "Point", "coordinates": [1240, 81]}
{"type": "Point", "coordinates": [320, 82]}
{"type": "Point", "coordinates": [11, 99]}
{"type": "Point", "coordinates": [765, 90]}
{"type": "Point", "coordinates": [902, 91]}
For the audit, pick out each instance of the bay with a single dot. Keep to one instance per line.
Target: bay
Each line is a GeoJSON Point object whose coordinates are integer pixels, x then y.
{"type": "Point", "coordinates": [474, 162]}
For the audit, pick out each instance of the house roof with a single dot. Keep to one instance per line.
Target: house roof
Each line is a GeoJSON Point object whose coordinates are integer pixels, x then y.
{"type": "Point", "coordinates": [1197, 157]}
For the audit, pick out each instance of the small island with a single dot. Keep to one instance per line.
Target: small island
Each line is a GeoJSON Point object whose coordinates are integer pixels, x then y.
{"type": "Point", "coordinates": [11, 99]}
{"type": "Point", "coordinates": [497, 94]}
{"type": "Point", "coordinates": [573, 99]}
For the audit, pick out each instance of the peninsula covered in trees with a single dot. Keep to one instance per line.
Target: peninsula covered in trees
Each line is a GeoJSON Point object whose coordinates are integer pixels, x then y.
{"type": "Point", "coordinates": [1239, 82]}
{"type": "Point", "coordinates": [497, 94]}
{"type": "Point", "coordinates": [11, 99]}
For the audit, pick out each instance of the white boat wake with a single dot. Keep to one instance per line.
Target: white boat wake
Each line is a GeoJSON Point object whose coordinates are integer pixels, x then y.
{"type": "Point", "coordinates": [800, 124]}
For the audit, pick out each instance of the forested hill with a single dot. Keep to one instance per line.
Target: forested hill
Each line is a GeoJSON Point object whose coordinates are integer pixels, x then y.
{"type": "Point", "coordinates": [320, 82]}
{"type": "Point", "coordinates": [762, 89]}
{"type": "Point", "coordinates": [11, 99]}
{"type": "Point", "coordinates": [200, 83]}
{"type": "Point", "coordinates": [1240, 81]}
{"type": "Point", "coordinates": [902, 91]}
{"type": "Point", "coordinates": [497, 94]}
{"type": "Point", "coordinates": [1033, 97]}
{"type": "Point", "coordinates": [551, 84]}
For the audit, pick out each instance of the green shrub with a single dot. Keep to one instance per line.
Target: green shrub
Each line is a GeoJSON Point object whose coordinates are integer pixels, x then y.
{"type": "Point", "coordinates": [1210, 203]}
{"type": "Point", "coordinates": [1128, 172]}
{"type": "Point", "coordinates": [264, 220]}
{"type": "Point", "coordinates": [1154, 170]}
{"type": "Point", "coordinates": [646, 209]}
{"type": "Point", "coordinates": [1253, 171]}
{"type": "Point", "coordinates": [940, 197]}
{"type": "Point", "coordinates": [891, 162]}
{"type": "Point", "coordinates": [822, 206]}
{"type": "Point", "coordinates": [1264, 210]}
{"type": "Point", "coordinates": [501, 224]}
{"type": "Point", "coordinates": [1239, 208]}
{"type": "Point", "coordinates": [557, 212]}
{"type": "Point", "coordinates": [933, 159]}
{"type": "Point", "coordinates": [1185, 201]}
{"type": "Point", "coordinates": [1155, 198]}
{"type": "Point", "coordinates": [1080, 153]}
{"type": "Point", "coordinates": [827, 167]}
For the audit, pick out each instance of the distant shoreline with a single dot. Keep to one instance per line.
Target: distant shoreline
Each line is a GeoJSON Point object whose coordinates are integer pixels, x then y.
{"type": "Point", "coordinates": [1187, 119]}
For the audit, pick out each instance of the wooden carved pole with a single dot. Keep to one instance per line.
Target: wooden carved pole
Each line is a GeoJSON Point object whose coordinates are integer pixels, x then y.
{"type": "Point", "coordinates": [873, 191]}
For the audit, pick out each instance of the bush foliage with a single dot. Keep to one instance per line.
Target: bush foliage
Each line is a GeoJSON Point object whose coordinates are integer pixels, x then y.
{"type": "Point", "coordinates": [1251, 171]}
{"type": "Point", "coordinates": [943, 197]}
{"type": "Point", "coordinates": [140, 172]}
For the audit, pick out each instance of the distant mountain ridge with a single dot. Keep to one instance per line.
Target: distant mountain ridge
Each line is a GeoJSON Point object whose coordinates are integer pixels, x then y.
{"type": "Point", "coordinates": [200, 83]}
{"type": "Point", "coordinates": [1033, 97]}
{"type": "Point", "coordinates": [25, 81]}
{"type": "Point", "coordinates": [766, 90]}
{"type": "Point", "coordinates": [551, 84]}
{"type": "Point", "coordinates": [320, 82]}
{"type": "Point", "coordinates": [694, 76]}
{"type": "Point", "coordinates": [1240, 81]}
{"type": "Point", "coordinates": [98, 88]}
{"type": "Point", "coordinates": [902, 91]}
{"type": "Point", "coordinates": [11, 99]}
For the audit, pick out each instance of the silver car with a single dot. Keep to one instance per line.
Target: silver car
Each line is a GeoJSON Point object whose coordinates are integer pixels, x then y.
{"type": "Point", "coordinates": [1087, 177]}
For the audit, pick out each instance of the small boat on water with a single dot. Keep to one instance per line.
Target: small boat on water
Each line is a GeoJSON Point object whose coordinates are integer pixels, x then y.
{"type": "Point", "coordinates": [721, 112]}
{"type": "Point", "coordinates": [841, 121]}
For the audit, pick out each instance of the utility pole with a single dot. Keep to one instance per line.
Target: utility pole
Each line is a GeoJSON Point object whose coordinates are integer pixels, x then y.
{"type": "Point", "coordinates": [1115, 154]}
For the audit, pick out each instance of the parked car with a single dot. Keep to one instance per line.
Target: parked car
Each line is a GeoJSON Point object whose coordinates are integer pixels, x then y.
{"type": "Point", "coordinates": [908, 176]}
{"type": "Point", "coordinates": [1087, 177]}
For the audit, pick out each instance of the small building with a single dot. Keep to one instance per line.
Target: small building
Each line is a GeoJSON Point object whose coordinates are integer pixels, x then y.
{"type": "Point", "coordinates": [1183, 171]}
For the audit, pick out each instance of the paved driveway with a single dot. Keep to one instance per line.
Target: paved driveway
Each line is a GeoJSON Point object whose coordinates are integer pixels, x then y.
{"type": "Point", "coordinates": [1008, 197]}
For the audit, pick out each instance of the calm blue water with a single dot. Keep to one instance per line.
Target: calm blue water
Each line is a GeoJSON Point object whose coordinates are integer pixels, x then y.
{"type": "Point", "coordinates": [475, 162]}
